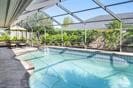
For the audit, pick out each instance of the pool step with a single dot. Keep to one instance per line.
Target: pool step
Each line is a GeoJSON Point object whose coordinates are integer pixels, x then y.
{"type": "Point", "coordinates": [28, 66]}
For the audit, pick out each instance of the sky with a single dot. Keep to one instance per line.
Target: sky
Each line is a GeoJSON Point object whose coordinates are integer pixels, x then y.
{"type": "Point", "coordinates": [75, 5]}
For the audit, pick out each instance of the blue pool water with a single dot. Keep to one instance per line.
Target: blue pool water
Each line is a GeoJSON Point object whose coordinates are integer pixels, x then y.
{"type": "Point", "coordinates": [63, 68]}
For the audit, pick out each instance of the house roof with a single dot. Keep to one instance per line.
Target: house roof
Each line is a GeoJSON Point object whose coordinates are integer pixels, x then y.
{"type": "Point", "coordinates": [100, 22]}
{"type": "Point", "coordinates": [109, 17]}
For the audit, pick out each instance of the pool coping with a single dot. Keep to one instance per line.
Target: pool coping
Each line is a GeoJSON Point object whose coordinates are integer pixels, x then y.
{"type": "Point", "coordinates": [94, 50]}
{"type": "Point", "coordinates": [26, 64]}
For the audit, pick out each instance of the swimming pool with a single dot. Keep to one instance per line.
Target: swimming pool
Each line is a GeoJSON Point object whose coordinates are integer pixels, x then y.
{"type": "Point", "coordinates": [67, 68]}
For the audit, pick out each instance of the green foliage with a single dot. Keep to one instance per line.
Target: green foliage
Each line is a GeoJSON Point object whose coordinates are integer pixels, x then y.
{"type": "Point", "coordinates": [114, 25]}
{"type": "Point", "coordinates": [70, 38]}
{"type": "Point", "coordinates": [112, 38]}
{"type": "Point", "coordinates": [5, 37]}
{"type": "Point", "coordinates": [92, 35]}
{"type": "Point", "coordinates": [128, 33]}
{"type": "Point", "coordinates": [33, 23]}
{"type": "Point", "coordinates": [14, 38]}
{"type": "Point", "coordinates": [67, 20]}
{"type": "Point", "coordinates": [128, 37]}
{"type": "Point", "coordinates": [67, 43]}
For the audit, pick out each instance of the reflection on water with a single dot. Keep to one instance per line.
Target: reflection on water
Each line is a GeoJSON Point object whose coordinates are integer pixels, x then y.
{"type": "Point", "coordinates": [120, 82]}
{"type": "Point", "coordinates": [70, 79]}
{"type": "Point", "coordinates": [46, 51]}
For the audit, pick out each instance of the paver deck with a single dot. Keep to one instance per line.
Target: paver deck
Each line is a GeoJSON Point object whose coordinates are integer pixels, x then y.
{"type": "Point", "coordinates": [12, 72]}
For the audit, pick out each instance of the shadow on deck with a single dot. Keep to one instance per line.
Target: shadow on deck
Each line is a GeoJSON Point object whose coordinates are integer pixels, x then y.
{"type": "Point", "coordinates": [12, 72]}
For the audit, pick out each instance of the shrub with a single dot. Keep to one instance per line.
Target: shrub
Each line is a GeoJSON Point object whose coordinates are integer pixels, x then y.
{"type": "Point", "coordinates": [112, 38]}
{"type": "Point", "coordinates": [14, 38]}
{"type": "Point", "coordinates": [5, 37]}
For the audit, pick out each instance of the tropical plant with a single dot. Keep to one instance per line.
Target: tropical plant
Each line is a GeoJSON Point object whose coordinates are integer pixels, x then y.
{"type": "Point", "coordinates": [92, 35]}
{"type": "Point", "coordinates": [114, 25]}
{"type": "Point", "coordinates": [112, 39]}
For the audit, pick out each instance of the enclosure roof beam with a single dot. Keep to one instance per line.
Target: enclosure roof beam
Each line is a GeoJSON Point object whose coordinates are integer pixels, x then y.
{"type": "Point", "coordinates": [105, 6]}
{"type": "Point", "coordinates": [115, 4]}
{"type": "Point", "coordinates": [28, 11]}
{"type": "Point", "coordinates": [50, 17]}
{"type": "Point", "coordinates": [106, 9]}
{"type": "Point", "coordinates": [69, 12]}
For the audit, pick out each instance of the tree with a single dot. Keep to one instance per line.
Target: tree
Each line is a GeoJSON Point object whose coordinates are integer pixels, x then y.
{"type": "Point", "coordinates": [114, 25]}
{"type": "Point", "coordinates": [37, 25]}
{"type": "Point", "coordinates": [67, 20]}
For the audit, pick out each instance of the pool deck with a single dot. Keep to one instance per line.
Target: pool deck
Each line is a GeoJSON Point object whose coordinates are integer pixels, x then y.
{"type": "Point", "coordinates": [13, 72]}
{"type": "Point", "coordinates": [19, 51]}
